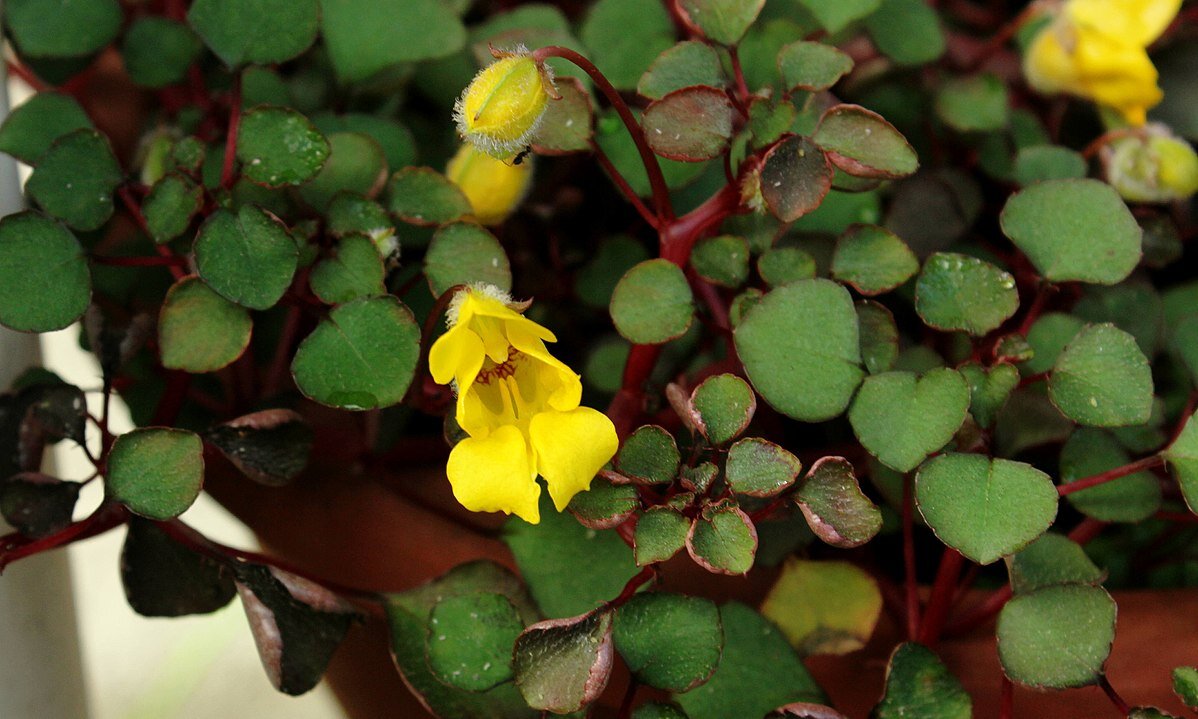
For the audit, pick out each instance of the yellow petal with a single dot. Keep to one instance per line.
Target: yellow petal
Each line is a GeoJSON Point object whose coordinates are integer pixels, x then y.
{"type": "Point", "coordinates": [457, 354]}
{"type": "Point", "coordinates": [495, 475]}
{"type": "Point", "coordinates": [563, 384]}
{"type": "Point", "coordinates": [1137, 22]}
{"type": "Point", "coordinates": [571, 447]}
{"type": "Point", "coordinates": [493, 187]}
{"type": "Point", "coordinates": [1048, 66]}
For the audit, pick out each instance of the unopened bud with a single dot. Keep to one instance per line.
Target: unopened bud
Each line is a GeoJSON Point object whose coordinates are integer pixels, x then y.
{"type": "Point", "coordinates": [499, 110]}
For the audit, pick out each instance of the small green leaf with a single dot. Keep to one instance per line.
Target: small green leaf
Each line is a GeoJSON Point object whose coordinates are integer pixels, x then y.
{"type": "Point", "coordinates": [985, 508]}
{"type": "Point", "coordinates": [75, 178]}
{"type": "Point", "coordinates": [669, 641]}
{"type": "Point", "coordinates": [769, 119]}
{"type": "Point", "coordinates": [919, 685]}
{"type": "Point", "coordinates": [1057, 637]}
{"type": "Point", "coordinates": [724, 21]}
{"type": "Point", "coordinates": [354, 214]}
{"type": "Point", "coordinates": [62, 30]}
{"type": "Point", "coordinates": [660, 534]}
{"type": "Point", "coordinates": [355, 270]}
{"type": "Point", "coordinates": [812, 66]}
{"type": "Point", "coordinates": [834, 506]}
{"type": "Point", "coordinates": [569, 123]}
{"type": "Point", "coordinates": [989, 388]}
{"type": "Point", "coordinates": [470, 638]}
{"type": "Point", "coordinates": [597, 279]}
{"type": "Point", "coordinates": [1127, 499]}
{"type": "Point", "coordinates": [824, 607]}
{"type": "Point", "coordinates": [200, 331]}
{"type": "Point", "coordinates": [355, 164]}
{"type": "Point", "coordinates": [464, 253]}
{"type": "Point", "coordinates": [958, 292]}
{"type": "Point", "coordinates": [263, 32]}
{"type": "Point", "coordinates": [59, 291]}
{"type": "Point", "coordinates": [760, 468]}
{"type": "Point", "coordinates": [723, 540]}
{"type": "Point", "coordinates": [901, 419]}
{"type": "Point", "coordinates": [785, 264]}
{"type": "Point", "coordinates": [722, 260]}
{"type": "Point", "coordinates": [562, 665]}
{"type": "Point", "coordinates": [604, 505]}
{"type": "Point", "coordinates": [976, 103]}
{"type": "Point", "coordinates": [836, 15]}
{"type": "Point", "coordinates": [795, 178]}
{"type": "Point", "coordinates": [649, 455]}
{"type": "Point", "coordinates": [162, 578]}
{"type": "Point", "coordinates": [365, 37]}
{"type": "Point", "coordinates": [155, 471]}
{"type": "Point", "coordinates": [277, 146]}
{"type": "Point", "coordinates": [686, 64]}
{"type": "Point", "coordinates": [35, 124]}
{"type": "Point", "coordinates": [689, 125]}
{"type": "Point", "coordinates": [1185, 685]}
{"type": "Point", "coordinates": [652, 303]}
{"type": "Point", "coordinates": [1074, 230]}
{"type": "Point", "coordinates": [423, 196]}
{"type": "Point", "coordinates": [157, 51]}
{"type": "Point", "coordinates": [1051, 560]}
{"type": "Point", "coordinates": [907, 31]}
{"type": "Point", "coordinates": [247, 257]}
{"type": "Point", "coordinates": [1102, 379]}
{"type": "Point", "coordinates": [723, 406]}
{"type": "Point", "coordinates": [879, 336]}
{"type": "Point", "coordinates": [169, 207]}
{"type": "Point", "coordinates": [863, 144]}
{"type": "Point", "coordinates": [873, 260]}
{"type": "Point", "coordinates": [1182, 455]}
{"type": "Point", "coordinates": [1047, 162]}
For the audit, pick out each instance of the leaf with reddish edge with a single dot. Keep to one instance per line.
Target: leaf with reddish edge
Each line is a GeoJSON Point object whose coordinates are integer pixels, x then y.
{"type": "Point", "coordinates": [37, 505]}
{"type": "Point", "coordinates": [724, 21]}
{"type": "Point", "coordinates": [863, 144]}
{"type": "Point", "coordinates": [723, 540]}
{"type": "Point", "coordinates": [605, 504]}
{"type": "Point", "coordinates": [660, 534]}
{"type": "Point", "coordinates": [836, 509]}
{"type": "Point", "coordinates": [760, 468]}
{"type": "Point", "coordinates": [569, 122]}
{"type": "Point", "coordinates": [721, 407]}
{"type": "Point", "coordinates": [795, 178]}
{"type": "Point", "coordinates": [163, 578]}
{"type": "Point", "coordinates": [919, 685]}
{"type": "Point", "coordinates": [562, 665]}
{"type": "Point", "coordinates": [270, 447]}
{"type": "Point", "coordinates": [689, 125]}
{"type": "Point", "coordinates": [1182, 457]}
{"type": "Point", "coordinates": [805, 710]}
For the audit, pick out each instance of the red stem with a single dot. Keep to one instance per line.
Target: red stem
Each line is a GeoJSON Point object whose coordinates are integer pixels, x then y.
{"type": "Point", "coordinates": [1111, 474]}
{"type": "Point", "coordinates": [282, 357]}
{"type": "Point", "coordinates": [910, 582]}
{"type": "Point", "coordinates": [33, 81]}
{"type": "Point", "coordinates": [941, 598]}
{"type": "Point", "coordinates": [107, 516]}
{"type": "Point", "coordinates": [1122, 706]}
{"type": "Point", "coordinates": [1087, 529]}
{"type": "Point", "coordinates": [1033, 312]}
{"type": "Point", "coordinates": [680, 236]}
{"type": "Point", "coordinates": [176, 269]}
{"type": "Point", "coordinates": [637, 581]}
{"type": "Point", "coordinates": [742, 88]}
{"type": "Point", "coordinates": [173, 396]}
{"type": "Point", "coordinates": [226, 171]}
{"type": "Point", "coordinates": [1006, 702]}
{"type": "Point", "coordinates": [623, 186]}
{"type": "Point", "coordinates": [981, 613]}
{"type": "Point", "coordinates": [628, 403]}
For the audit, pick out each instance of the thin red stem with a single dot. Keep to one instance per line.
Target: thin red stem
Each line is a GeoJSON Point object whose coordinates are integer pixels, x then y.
{"type": "Point", "coordinates": [1004, 35]}
{"type": "Point", "coordinates": [1087, 529]}
{"type": "Point", "coordinates": [176, 269]}
{"type": "Point", "coordinates": [640, 579]}
{"type": "Point", "coordinates": [628, 403]}
{"type": "Point", "coordinates": [742, 88]}
{"type": "Point", "coordinates": [1111, 474]}
{"type": "Point", "coordinates": [910, 581]}
{"type": "Point", "coordinates": [622, 184]}
{"type": "Point", "coordinates": [680, 236]}
{"type": "Point", "coordinates": [33, 81]}
{"type": "Point", "coordinates": [107, 516]}
{"type": "Point", "coordinates": [226, 172]}
{"type": "Point", "coordinates": [981, 613]}
{"type": "Point", "coordinates": [1006, 701]}
{"type": "Point", "coordinates": [941, 598]}
{"type": "Point", "coordinates": [1120, 705]}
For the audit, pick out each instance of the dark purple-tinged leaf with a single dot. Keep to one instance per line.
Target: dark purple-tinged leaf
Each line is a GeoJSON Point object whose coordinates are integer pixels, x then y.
{"type": "Point", "coordinates": [562, 665]}
{"type": "Point", "coordinates": [660, 534]}
{"type": "Point", "coordinates": [919, 685]}
{"type": "Point", "coordinates": [805, 710]}
{"type": "Point", "coordinates": [58, 411]}
{"type": "Point", "coordinates": [863, 144]}
{"type": "Point", "coordinates": [114, 338]}
{"type": "Point", "coordinates": [690, 125]}
{"type": "Point", "coordinates": [470, 639]}
{"type": "Point", "coordinates": [724, 21]}
{"type": "Point", "coordinates": [760, 468]}
{"type": "Point", "coordinates": [795, 178]}
{"type": "Point", "coordinates": [297, 625]}
{"type": "Point", "coordinates": [156, 472]}
{"type": "Point", "coordinates": [1057, 637]}
{"type": "Point", "coordinates": [270, 447]}
{"type": "Point", "coordinates": [37, 505]}
{"type": "Point", "coordinates": [649, 456]}
{"type": "Point", "coordinates": [569, 122]}
{"type": "Point", "coordinates": [722, 406]}
{"type": "Point", "coordinates": [723, 539]}
{"type": "Point", "coordinates": [812, 66]}
{"type": "Point", "coordinates": [163, 578]}
{"type": "Point", "coordinates": [605, 504]}
{"type": "Point", "coordinates": [669, 641]}
{"type": "Point", "coordinates": [835, 507]}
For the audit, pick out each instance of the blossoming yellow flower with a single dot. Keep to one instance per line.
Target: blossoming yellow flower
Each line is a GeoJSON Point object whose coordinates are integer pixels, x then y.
{"type": "Point", "coordinates": [520, 407]}
{"type": "Point", "coordinates": [494, 187]}
{"type": "Point", "coordinates": [500, 109]}
{"type": "Point", "coordinates": [1096, 49]}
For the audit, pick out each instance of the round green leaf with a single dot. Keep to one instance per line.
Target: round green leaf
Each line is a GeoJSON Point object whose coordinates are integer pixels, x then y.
{"type": "Point", "coordinates": [723, 540]}
{"type": "Point", "coordinates": [278, 146]}
{"type": "Point", "coordinates": [689, 125]}
{"type": "Point", "coordinates": [795, 178]}
{"type": "Point", "coordinates": [464, 253]}
{"type": "Point", "coordinates": [605, 504]}
{"type": "Point", "coordinates": [902, 420]}
{"type": "Point", "coordinates": [1074, 230]}
{"type": "Point", "coordinates": [723, 405]}
{"type": "Point", "coordinates": [785, 264]}
{"type": "Point", "coordinates": [1057, 637]}
{"type": "Point", "coordinates": [687, 64]}
{"type": "Point", "coordinates": [62, 29]}
{"type": "Point", "coordinates": [59, 291]}
{"type": "Point", "coordinates": [364, 37]}
{"type": "Point", "coordinates": [724, 21]}
{"type": "Point", "coordinates": [919, 685]}
{"type": "Point", "coordinates": [354, 214]}
{"type": "Point", "coordinates": [200, 331]}
{"type": "Point", "coordinates": [1047, 162]}
{"type": "Point", "coordinates": [652, 303]}
{"type": "Point", "coordinates": [361, 357]}
{"type": "Point", "coordinates": [863, 144]}
{"type": "Point", "coordinates": [760, 468]}
{"type": "Point", "coordinates": [355, 270]}
{"type": "Point", "coordinates": [649, 456]}
{"type": "Point", "coordinates": [247, 257]}
{"type": "Point", "coordinates": [355, 164]}
{"type": "Point", "coordinates": [985, 508]}
{"type": "Point", "coordinates": [155, 471]}
{"type": "Point", "coordinates": [569, 123]}
{"type": "Point", "coordinates": [169, 207]}
{"type": "Point", "coordinates": [812, 66]}
{"type": "Point", "coordinates": [958, 292]}
{"type": "Point", "coordinates": [799, 345]}
{"type": "Point", "coordinates": [975, 103]}
{"type": "Point", "coordinates": [669, 641]}
{"type": "Point", "coordinates": [1102, 379]}
{"type": "Point", "coordinates": [33, 126]}
{"type": "Point", "coordinates": [263, 32]}
{"type": "Point", "coordinates": [157, 51]}
{"type": "Point", "coordinates": [75, 179]}
{"type": "Point", "coordinates": [836, 15]}
{"type": "Point", "coordinates": [470, 638]}
{"type": "Point", "coordinates": [722, 260]}
{"type": "Point", "coordinates": [1126, 499]}
{"type": "Point", "coordinates": [769, 119]}
{"type": "Point", "coordinates": [1051, 560]}
{"type": "Point", "coordinates": [660, 534]}
{"type": "Point", "coordinates": [399, 146]}
{"type": "Point", "coordinates": [907, 31]}
{"type": "Point", "coordinates": [423, 196]}
{"type": "Point", "coordinates": [1182, 456]}
{"type": "Point", "coordinates": [873, 260]}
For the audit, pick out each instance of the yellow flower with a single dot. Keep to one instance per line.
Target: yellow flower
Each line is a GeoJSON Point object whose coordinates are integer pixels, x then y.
{"type": "Point", "coordinates": [500, 109]}
{"type": "Point", "coordinates": [520, 407]}
{"type": "Point", "coordinates": [1097, 49]}
{"type": "Point", "coordinates": [1154, 166]}
{"type": "Point", "coordinates": [494, 187]}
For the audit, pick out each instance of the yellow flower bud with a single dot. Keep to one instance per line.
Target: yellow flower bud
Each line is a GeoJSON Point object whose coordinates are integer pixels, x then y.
{"type": "Point", "coordinates": [494, 187]}
{"type": "Point", "coordinates": [499, 110]}
{"type": "Point", "coordinates": [1156, 167]}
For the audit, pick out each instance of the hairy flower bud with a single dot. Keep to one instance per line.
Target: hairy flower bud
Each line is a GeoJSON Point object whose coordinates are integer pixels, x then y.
{"type": "Point", "coordinates": [1154, 167]}
{"type": "Point", "coordinates": [499, 110]}
{"type": "Point", "coordinates": [494, 187]}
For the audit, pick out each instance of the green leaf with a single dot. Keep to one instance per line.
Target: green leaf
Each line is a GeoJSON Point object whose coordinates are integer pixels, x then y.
{"type": "Point", "coordinates": [35, 124]}
{"type": "Point", "coordinates": [162, 578]}
{"type": "Point", "coordinates": [723, 406]}
{"type": "Point", "coordinates": [758, 671]}
{"type": "Point", "coordinates": [200, 331]}
{"type": "Point", "coordinates": [157, 51]}
{"type": "Point", "coordinates": [795, 178]}
{"type": "Point", "coordinates": [1182, 455]}
{"type": "Point", "coordinates": [59, 291]}
{"type": "Point", "coordinates": [1074, 230]}
{"type": "Point", "coordinates": [598, 278]}
{"type": "Point", "coordinates": [669, 641]}
{"type": "Point", "coordinates": [353, 214]}
{"type": "Point", "coordinates": [399, 146]}
{"type": "Point", "coordinates": [724, 21]}
{"type": "Point", "coordinates": [722, 260]}
{"type": "Point", "coordinates": [901, 419]}
{"type": "Point", "coordinates": [37, 505]}
{"type": "Point", "coordinates": [562, 665]}
{"type": "Point", "coordinates": [470, 638]}
{"type": "Point", "coordinates": [355, 164]}
{"type": "Point", "coordinates": [689, 125]}
{"type": "Point", "coordinates": [568, 125]}
{"type": "Point", "coordinates": [423, 196]}
{"type": "Point", "coordinates": [1047, 162]}
{"type": "Point", "coordinates": [989, 389]}
{"type": "Point", "coordinates": [660, 534]}
{"type": "Point", "coordinates": [1051, 560]}
{"type": "Point", "coordinates": [652, 303]}
{"type": "Point", "coordinates": [959, 292]}
{"type": "Point", "coordinates": [64, 29]}
{"type": "Point", "coordinates": [604, 505]}
{"type": "Point", "coordinates": [1047, 337]}
{"type": "Point", "coordinates": [769, 119]}
{"type": "Point", "coordinates": [278, 146]}
{"type": "Point", "coordinates": [355, 270]}
{"type": "Point", "coordinates": [919, 685]}
{"type": "Point", "coordinates": [1127, 499]}
{"type": "Point", "coordinates": [649, 455]}
{"type": "Point", "coordinates": [75, 178]}
{"type": "Point", "coordinates": [974, 103]}
{"type": "Point", "coordinates": [863, 144]}
{"type": "Point", "coordinates": [1134, 307]}
{"type": "Point", "coordinates": [782, 265]}
{"type": "Point", "coordinates": [879, 336]}
{"type": "Point", "coordinates": [365, 37]}
{"type": "Point", "coordinates": [824, 607]}
{"type": "Point", "coordinates": [686, 64]}
{"type": "Point", "coordinates": [760, 468]}
{"type": "Point", "coordinates": [873, 260]}
{"type": "Point", "coordinates": [1057, 637]}
{"type": "Point", "coordinates": [836, 15]}
{"type": "Point", "coordinates": [800, 349]}
{"type": "Point", "coordinates": [464, 253]}
{"type": "Point", "coordinates": [985, 508]}
{"type": "Point", "coordinates": [614, 140]}
{"type": "Point", "coordinates": [1102, 379]}
{"type": "Point", "coordinates": [655, 710]}
{"type": "Point", "coordinates": [723, 540]}
{"type": "Point", "coordinates": [270, 446]}
{"type": "Point", "coordinates": [907, 31]}
{"type": "Point", "coordinates": [624, 36]}
{"type": "Point", "coordinates": [247, 257]}
{"type": "Point", "coordinates": [169, 207]}
{"type": "Point", "coordinates": [362, 356]}
{"type": "Point", "coordinates": [156, 472]}
{"type": "Point", "coordinates": [834, 506]}
{"type": "Point", "coordinates": [1185, 685]}
{"type": "Point", "coordinates": [262, 32]}
{"type": "Point", "coordinates": [812, 66]}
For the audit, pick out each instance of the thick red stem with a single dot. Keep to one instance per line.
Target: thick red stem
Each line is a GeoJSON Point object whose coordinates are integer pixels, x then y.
{"type": "Point", "coordinates": [910, 582]}
{"type": "Point", "coordinates": [941, 598]}
{"type": "Point", "coordinates": [226, 172]}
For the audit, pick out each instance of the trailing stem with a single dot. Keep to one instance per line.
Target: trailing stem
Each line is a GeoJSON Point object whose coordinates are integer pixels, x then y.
{"type": "Point", "coordinates": [910, 581]}
{"type": "Point", "coordinates": [1111, 474]}
{"type": "Point", "coordinates": [940, 601]}
{"type": "Point", "coordinates": [107, 516]}
{"type": "Point", "coordinates": [226, 171]}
